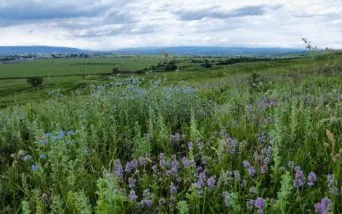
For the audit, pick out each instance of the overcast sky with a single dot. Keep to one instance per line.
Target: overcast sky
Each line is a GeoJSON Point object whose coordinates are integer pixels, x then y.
{"type": "Point", "coordinates": [111, 24]}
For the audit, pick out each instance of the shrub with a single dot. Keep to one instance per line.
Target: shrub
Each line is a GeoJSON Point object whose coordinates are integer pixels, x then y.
{"type": "Point", "coordinates": [35, 81]}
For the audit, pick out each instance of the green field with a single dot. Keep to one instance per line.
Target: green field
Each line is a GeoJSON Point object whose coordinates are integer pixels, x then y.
{"type": "Point", "coordinates": [257, 137]}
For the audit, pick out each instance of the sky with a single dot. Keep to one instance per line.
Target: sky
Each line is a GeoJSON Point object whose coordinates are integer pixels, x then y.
{"type": "Point", "coordinates": [113, 24]}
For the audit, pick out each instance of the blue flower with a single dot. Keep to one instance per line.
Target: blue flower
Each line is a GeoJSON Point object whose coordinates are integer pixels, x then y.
{"type": "Point", "coordinates": [70, 133]}
{"type": "Point", "coordinates": [34, 168]}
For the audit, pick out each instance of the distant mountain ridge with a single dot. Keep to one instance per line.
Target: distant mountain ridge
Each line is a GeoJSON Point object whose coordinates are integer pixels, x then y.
{"type": "Point", "coordinates": [7, 50]}
{"type": "Point", "coordinates": [197, 50]}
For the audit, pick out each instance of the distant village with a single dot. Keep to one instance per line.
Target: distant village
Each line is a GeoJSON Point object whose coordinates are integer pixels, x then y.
{"type": "Point", "coordinates": [14, 58]}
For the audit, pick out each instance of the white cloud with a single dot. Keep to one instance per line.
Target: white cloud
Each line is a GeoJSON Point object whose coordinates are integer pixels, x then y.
{"type": "Point", "coordinates": [110, 24]}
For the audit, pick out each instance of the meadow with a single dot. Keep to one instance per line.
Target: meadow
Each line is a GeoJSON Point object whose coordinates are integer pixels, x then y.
{"type": "Point", "coordinates": [253, 137]}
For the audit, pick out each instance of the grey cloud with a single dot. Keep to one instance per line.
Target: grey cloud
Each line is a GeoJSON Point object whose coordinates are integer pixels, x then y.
{"type": "Point", "coordinates": [33, 10]}
{"type": "Point", "coordinates": [128, 29]}
{"type": "Point", "coordinates": [215, 13]}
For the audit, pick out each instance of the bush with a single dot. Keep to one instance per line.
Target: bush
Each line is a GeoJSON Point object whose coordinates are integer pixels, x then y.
{"type": "Point", "coordinates": [35, 81]}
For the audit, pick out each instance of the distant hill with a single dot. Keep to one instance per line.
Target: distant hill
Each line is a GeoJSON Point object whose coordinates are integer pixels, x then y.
{"type": "Point", "coordinates": [212, 51]}
{"type": "Point", "coordinates": [8, 50]}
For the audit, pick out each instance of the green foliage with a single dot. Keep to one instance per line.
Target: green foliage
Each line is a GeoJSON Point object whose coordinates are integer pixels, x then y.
{"type": "Point", "coordinates": [62, 155]}
{"type": "Point", "coordinates": [35, 81]}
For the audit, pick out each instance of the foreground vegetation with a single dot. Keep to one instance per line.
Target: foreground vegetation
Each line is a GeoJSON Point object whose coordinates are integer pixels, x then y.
{"type": "Point", "coordinates": [226, 141]}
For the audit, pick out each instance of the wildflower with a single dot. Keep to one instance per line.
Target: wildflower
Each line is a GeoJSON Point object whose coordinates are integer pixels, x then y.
{"type": "Point", "coordinates": [232, 143]}
{"type": "Point", "coordinates": [132, 196]}
{"type": "Point", "coordinates": [198, 169]}
{"type": "Point", "coordinates": [188, 163]}
{"type": "Point", "coordinates": [264, 169]}
{"type": "Point", "coordinates": [173, 189]}
{"type": "Point", "coordinates": [201, 179]}
{"type": "Point", "coordinates": [211, 182]}
{"type": "Point", "coordinates": [259, 204]}
{"type": "Point", "coordinates": [312, 178]}
{"type": "Point", "coordinates": [146, 203]}
{"type": "Point", "coordinates": [299, 179]}
{"type": "Point", "coordinates": [34, 168]}
{"type": "Point", "coordinates": [43, 142]}
{"type": "Point", "coordinates": [297, 168]}
{"type": "Point", "coordinates": [246, 164]}
{"type": "Point", "coordinates": [243, 183]}
{"type": "Point", "coordinates": [142, 161]}
{"type": "Point", "coordinates": [174, 165]}
{"type": "Point", "coordinates": [118, 170]}
{"type": "Point", "coordinates": [229, 174]}
{"type": "Point", "coordinates": [60, 134]}
{"type": "Point", "coordinates": [131, 182]}
{"type": "Point", "coordinates": [290, 164]}
{"type": "Point", "coordinates": [129, 167]}
{"type": "Point", "coordinates": [324, 206]}
{"type": "Point", "coordinates": [70, 133]}
{"type": "Point", "coordinates": [251, 171]}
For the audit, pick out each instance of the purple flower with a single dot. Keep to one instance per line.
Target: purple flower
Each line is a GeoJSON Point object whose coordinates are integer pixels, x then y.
{"type": "Point", "coordinates": [129, 167]}
{"type": "Point", "coordinates": [267, 160]}
{"type": "Point", "coordinates": [299, 179]}
{"type": "Point", "coordinates": [198, 169]}
{"type": "Point", "coordinates": [297, 168]}
{"type": "Point", "coordinates": [251, 171]}
{"type": "Point", "coordinates": [173, 189]}
{"type": "Point", "coordinates": [312, 178]}
{"type": "Point", "coordinates": [131, 182]}
{"type": "Point", "coordinates": [229, 174]}
{"type": "Point", "coordinates": [211, 182]}
{"type": "Point", "coordinates": [146, 203]}
{"type": "Point", "coordinates": [188, 163]}
{"type": "Point", "coordinates": [232, 143]}
{"type": "Point", "coordinates": [201, 179]}
{"type": "Point", "coordinates": [324, 206]}
{"type": "Point", "coordinates": [118, 170]}
{"type": "Point", "coordinates": [246, 164]}
{"type": "Point", "coordinates": [264, 169]}
{"type": "Point", "coordinates": [132, 196]}
{"type": "Point", "coordinates": [142, 161]}
{"type": "Point", "coordinates": [259, 203]}
{"type": "Point", "coordinates": [174, 165]}
{"type": "Point", "coordinates": [34, 168]}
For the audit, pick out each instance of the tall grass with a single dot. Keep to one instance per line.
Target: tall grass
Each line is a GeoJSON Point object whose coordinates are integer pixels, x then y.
{"type": "Point", "coordinates": [134, 146]}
